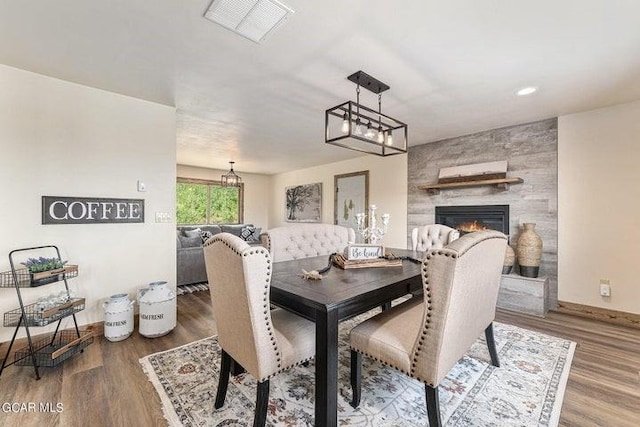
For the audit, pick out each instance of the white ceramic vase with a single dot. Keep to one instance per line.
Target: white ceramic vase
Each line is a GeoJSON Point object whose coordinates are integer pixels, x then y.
{"type": "Point", "coordinates": [157, 310]}
{"type": "Point", "coordinates": [118, 317]}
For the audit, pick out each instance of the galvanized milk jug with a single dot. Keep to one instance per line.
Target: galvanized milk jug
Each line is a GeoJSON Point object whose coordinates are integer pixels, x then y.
{"type": "Point", "coordinates": [157, 310]}
{"type": "Point", "coordinates": [118, 317]}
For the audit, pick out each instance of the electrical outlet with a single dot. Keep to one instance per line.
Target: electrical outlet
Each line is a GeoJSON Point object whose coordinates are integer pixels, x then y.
{"type": "Point", "coordinates": [605, 288]}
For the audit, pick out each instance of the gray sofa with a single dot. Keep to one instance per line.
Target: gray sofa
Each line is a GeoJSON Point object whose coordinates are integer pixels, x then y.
{"type": "Point", "coordinates": [190, 257]}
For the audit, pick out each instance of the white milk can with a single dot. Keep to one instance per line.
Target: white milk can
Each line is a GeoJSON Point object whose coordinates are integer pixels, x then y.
{"type": "Point", "coordinates": [118, 317]}
{"type": "Point", "coordinates": [157, 310]}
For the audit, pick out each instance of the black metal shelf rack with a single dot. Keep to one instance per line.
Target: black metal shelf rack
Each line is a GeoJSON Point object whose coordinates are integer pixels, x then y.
{"type": "Point", "coordinates": [54, 348]}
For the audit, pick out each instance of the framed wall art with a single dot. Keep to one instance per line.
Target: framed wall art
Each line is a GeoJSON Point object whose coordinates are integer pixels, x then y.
{"type": "Point", "coordinates": [303, 203]}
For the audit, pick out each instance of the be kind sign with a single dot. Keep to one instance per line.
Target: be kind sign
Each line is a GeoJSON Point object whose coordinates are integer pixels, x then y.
{"type": "Point", "coordinates": [90, 210]}
{"type": "Point", "coordinates": [364, 251]}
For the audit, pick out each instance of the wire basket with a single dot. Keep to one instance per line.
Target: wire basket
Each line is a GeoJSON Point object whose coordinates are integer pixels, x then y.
{"type": "Point", "coordinates": [31, 280]}
{"type": "Point", "coordinates": [36, 315]}
{"type": "Point", "coordinates": [53, 350]}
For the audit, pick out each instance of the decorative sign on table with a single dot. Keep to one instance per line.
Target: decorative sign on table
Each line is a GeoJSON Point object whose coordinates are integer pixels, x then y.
{"type": "Point", "coordinates": [347, 264]}
{"type": "Point", "coordinates": [363, 251]}
{"type": "Point", "coordinates": [91, 210]}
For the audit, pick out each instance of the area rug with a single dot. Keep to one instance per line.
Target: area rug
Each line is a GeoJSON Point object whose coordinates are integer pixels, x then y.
{"type": "Point", "coordinates": [527, 390]}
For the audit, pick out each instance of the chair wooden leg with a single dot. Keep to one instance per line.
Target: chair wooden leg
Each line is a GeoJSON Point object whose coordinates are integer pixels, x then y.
{"type": "Point", "coordinates": [356, 375]}
{"type": "Point", "coordinates": [223, 381]}
{"type": "Point", "coordinates": [433, 406]}
{"type": "Point", "coordinates": [491, 344]}
{"type": "Point", "coordinates": [262, 401]}
{"type": "Point", "coordinates": [236, 368]}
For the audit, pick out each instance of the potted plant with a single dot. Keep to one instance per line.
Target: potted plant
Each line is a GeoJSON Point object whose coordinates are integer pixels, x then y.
{"type": "Point", "coordinates": [44, 270]}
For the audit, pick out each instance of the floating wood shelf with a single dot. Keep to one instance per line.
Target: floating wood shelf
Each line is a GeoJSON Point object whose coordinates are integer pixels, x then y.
{"type": "Point", "coordinates": [500, 182]}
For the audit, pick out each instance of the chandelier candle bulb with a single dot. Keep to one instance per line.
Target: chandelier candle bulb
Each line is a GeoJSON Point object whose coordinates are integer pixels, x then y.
{"type": "Point", "coordinates": [345, 124]}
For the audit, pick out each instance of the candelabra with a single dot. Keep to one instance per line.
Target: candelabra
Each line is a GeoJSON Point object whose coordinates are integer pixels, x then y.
{"type": "Point", "coordinates": [372, 234]}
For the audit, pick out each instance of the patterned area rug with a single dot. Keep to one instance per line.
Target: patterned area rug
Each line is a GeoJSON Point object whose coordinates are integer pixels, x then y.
{"type": "Point", "coordinates": [527, 390]}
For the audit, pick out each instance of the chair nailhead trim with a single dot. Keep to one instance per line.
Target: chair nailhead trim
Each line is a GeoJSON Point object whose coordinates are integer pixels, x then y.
{"type": "Point", "coordinates": [380, 361]}
{"type": "Point", "coordinates": [429, 308]}
{"type": "Point", "coordinates": [285, 368]}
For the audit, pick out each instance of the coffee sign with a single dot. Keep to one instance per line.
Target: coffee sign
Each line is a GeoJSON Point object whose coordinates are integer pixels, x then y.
{"type": "Point", "coordinates": [91, 210]}
{"type": "Point", "coordinates": [363, 251]}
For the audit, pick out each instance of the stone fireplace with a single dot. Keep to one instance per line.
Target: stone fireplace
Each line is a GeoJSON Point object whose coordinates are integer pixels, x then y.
{"type": "Point", "coordinates": [474, 218]}
{"type": "Point", "coordinates": [531, 151]}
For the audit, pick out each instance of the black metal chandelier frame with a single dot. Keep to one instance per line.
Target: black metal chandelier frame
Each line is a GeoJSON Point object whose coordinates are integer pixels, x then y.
{"type": "Point", "coordinates": [230, 179]}
{"type": "Point", "coordinates": [344, 123]}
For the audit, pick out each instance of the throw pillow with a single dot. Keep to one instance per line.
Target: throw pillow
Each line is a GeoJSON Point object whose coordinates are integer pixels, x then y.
{"type": "Point", "coordinates": [256, 234]}
{"type": "Point", "coordinates": [247, 233]}
{"type": "Point", "coordinates": [196, 232]}
{"type": "Point", "coordinates": [205, 235]}
{"type": "Point", "coordinates": [189, 242]}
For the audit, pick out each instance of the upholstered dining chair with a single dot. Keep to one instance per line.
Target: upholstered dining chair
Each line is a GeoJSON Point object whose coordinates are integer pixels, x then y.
{"type": "Point", "coordinates": [433, 236]}
{"type": "Point", "coordinates": [306, 240]}
{"type": "Point", "coordinates": [264, 342]}
{"type": "Point", "coordinates": [424, 337]}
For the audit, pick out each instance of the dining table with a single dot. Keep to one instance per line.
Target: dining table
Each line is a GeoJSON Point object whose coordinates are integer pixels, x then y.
{"type": "Point", "coordinates": [339, 295]}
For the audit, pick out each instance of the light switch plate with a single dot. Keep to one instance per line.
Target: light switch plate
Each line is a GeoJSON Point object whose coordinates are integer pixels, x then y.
{"type": "Point", "coordinates": [163, 217]}
{"type": "Point", "coordinates": [142, 187]}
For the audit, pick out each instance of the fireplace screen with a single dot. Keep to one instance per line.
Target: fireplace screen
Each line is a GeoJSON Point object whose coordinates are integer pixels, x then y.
{"type": "Point", "coordinates": [474, 218]}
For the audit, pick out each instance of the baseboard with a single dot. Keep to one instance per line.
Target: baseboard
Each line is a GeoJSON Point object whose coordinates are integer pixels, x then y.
{"type": "Point", "coordinates": [96, 328]}
{"type": "Point", "coordinates": [605, 315]}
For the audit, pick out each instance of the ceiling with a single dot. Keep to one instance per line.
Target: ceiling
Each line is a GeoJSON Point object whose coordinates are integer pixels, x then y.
{"type": "Point", "coordinates": [453, 66]}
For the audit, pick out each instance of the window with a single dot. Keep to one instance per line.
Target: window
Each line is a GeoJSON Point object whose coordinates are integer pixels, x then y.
{"type": "Point", "coordinates": [206, 202]}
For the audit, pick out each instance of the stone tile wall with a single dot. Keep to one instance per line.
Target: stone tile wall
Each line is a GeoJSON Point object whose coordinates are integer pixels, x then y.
{"type": "Point", "coordinates": [531, 151]}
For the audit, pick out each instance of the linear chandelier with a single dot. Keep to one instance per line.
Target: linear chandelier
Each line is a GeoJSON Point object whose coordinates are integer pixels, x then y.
{"type": "Point", "coordinates": [354, 126]}
{"type": "Point", "coordinates": [230, 179]}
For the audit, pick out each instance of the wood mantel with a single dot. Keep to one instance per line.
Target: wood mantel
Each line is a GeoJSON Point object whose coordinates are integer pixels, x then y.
{"type": "Point", "coordinates": [500, 182]}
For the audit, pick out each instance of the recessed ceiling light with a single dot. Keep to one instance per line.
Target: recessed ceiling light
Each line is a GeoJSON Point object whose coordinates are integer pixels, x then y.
{"type": "Point", "coordinates": [526, 91]}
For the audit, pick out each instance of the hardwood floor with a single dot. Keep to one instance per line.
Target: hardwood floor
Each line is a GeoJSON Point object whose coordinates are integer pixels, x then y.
{"type": "Point", "coordinates": [105, 386]}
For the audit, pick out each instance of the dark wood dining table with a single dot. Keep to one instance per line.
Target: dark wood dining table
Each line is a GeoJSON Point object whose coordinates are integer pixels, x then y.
{"type": "Point", "coordinates": [340, 295]}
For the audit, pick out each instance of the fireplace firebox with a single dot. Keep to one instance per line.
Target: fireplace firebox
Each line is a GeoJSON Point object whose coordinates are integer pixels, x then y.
{"type": "Point", "coordinates": [474, 218]}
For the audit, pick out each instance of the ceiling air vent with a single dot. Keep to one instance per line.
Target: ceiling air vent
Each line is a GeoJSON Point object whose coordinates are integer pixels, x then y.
{"type": "Point", "coordinates": [253, 19]}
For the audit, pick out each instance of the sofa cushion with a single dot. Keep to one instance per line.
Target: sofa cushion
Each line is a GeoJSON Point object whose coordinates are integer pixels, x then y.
{"type": "Point", "coordinates": [192, 233]}
{"type": "Point", "coordinates": [234, 229]}
{"type": "Point", "coordinates": [189, 242]}
{"type": "Point", "coordinates": [213, 229]}
{"type": "Point", "coordinates": [202, 231]}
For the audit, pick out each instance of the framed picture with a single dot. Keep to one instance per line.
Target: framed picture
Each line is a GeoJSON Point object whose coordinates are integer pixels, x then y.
{"type": "Point", "coordinates": [351, 197]}
{"type": "Point", "coordinates": [304, 203]}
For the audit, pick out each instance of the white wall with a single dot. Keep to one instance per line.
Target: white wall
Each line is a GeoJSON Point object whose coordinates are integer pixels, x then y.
{"type": "Point", "coordinates": [387, 190]}
{"type": "Point", "coordinates": [599, 207]}
{"type": "Point", "coordinates": [256, 191]}
{"type": "Point", "coordinates": [62, 139]}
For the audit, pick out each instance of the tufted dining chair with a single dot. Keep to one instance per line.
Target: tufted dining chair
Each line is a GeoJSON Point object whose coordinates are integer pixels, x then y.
{"type": "Point", "coordinates": [425, 337]}
{"type": "Point", "coordinates": [264, 342]}
{"type": "Point", "coordinates": [434, 236]}
{"type": "Point", "coordinates": [306, 240]}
